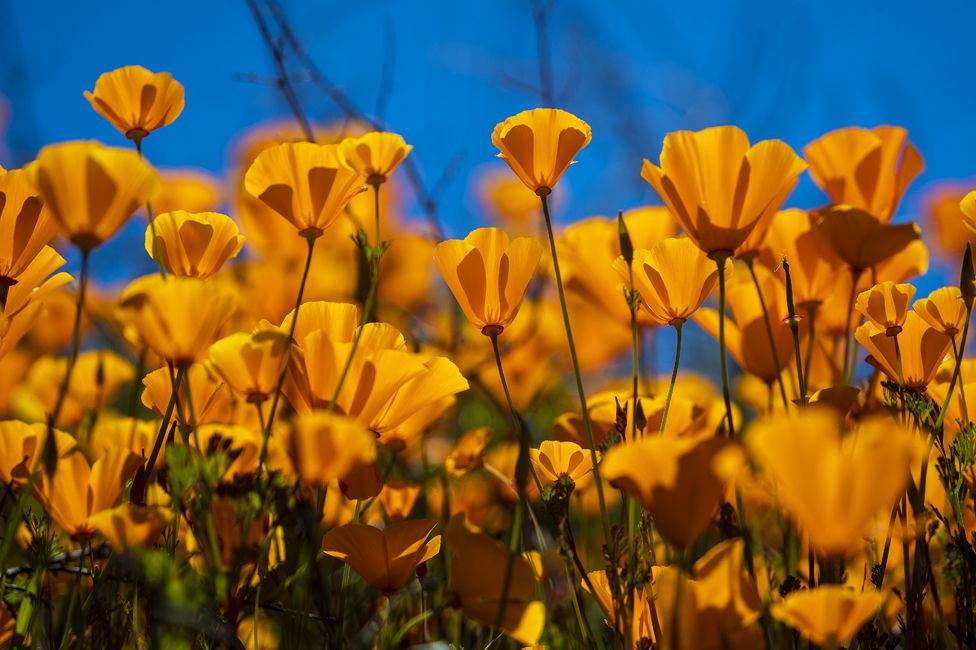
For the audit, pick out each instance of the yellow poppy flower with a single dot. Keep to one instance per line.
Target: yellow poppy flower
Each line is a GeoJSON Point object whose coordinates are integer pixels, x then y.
{"type": "Point", "coordinates": [718, 187]}
{"type": "Point", "coordinates": [587, 251]}
{"type": "Point", "coordinates": [833, 485]}
{"type": "Point", "coordinates": [506, 199]}
{"type": "Point", "coordinates": [95, 379]}
{"type": "Point", "coordinates": [467, 453]}
{"type": "Point", "coordinates": [673, 479]}
{"type": "Point", "coordinates": [388, 558]}
{"type": "Point", "coordinates": [374, 155]}
{"type": "Point", "coordinates": [20, 448]}
{"type": "Point", "coordinates": [829, 615]}
{"type": "Point", "coordinates": [130, 525]}
{"type": "Point", "coordinates": [922, 349]}
{"type": "Point", "coordinates": [307, 184]}
{"type": "Point", "coordinates": [90, 189]}
{"type": "Point", "coordinates": [26, 225]}
{"type": "Point", "coordinates": [211, 397]}
{"type": "Point", "coordinates": [25, 299]}
{"type": "Point", "coordinates": [943, 309]}
{"type": "Point", "coordinates": [886, 305]}
{"type": "Point", "coordinates": [193, 190]}
{"type": "Point", "coordinates": [945, 222]}
{"type": "Point", "coordinates": [77, 490]}
{"type": "Point", "coordinates": [251, 363]}
{"type": "Point", "coordinates": [540, 144]}
{"type": "Point", "coordinates": [399, 497]}
{"type": "Point", "coordinates": [478, 568]}
{"type": "Point", "coordinates": [137, 101]}
{"type": "Point", "coordinates": [55, 325]}
{"type": "Point", "coordinates": [814, 266]}
{"type": "Point", "coordinates": [138, 436]}
{"type": "Point", "coordinates": [860, 239]}
{"type": "Point", "coordinates": [326, 447]}
{"type": "Point", "coordinates": [674, 278]}
{"type": "Point", "coordinates": [488, 275]}
{"type": "Point", "coordinates": [868, 169]}
{"type": "Point", "coordinates": [193, 244]}
{"type": "Point", "coordinates": [968, 208]}
{"type": "Point", "coordinates": [177, 317]}
{"type": "Point", "coordinates": [553, 460]}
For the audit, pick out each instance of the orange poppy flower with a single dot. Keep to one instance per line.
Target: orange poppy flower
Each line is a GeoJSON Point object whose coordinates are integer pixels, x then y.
{"type": "Point", "coordinates": [327, 447]}
{"type": "Point", "coordinates": [860, 239]}
{"type": "Point", "coordinates": [95, 379]}
{"type": "Point", "coordinates": [20, 448]}
{"type": "Point", "coordinates": [479, 565]}
{"type": "Point", "coordinates": [193, 190]}
{"type": "Point", "coordinates": [374, 155]}
{"type": "Point", "coordinates": [587, 251]}
{"type": "Point", "coordinates": [251, 363]}
{"type": "Point", "coordinates": [26, 225]}
{"type": "Point", "coordinates": [968, 208]}
{"type": "Point", "coordinates": [813, 264]}
{"type": "Point", "coordinates": [90, 189]}
{"type": "Point", "coordinates": [399, 497]}
{"type": "Point", "coordinates": [868, 169]}
{"type": "Point", "coordinates": [488, 275]}
{"type": "Point", "coordinates": [673, 479]}
{"type": "Point", "coordinates": [467, 453]}
{"type": "Point", "coordinates": [720, 188]}
{"type": "Point", "coordinates": [130, 525]}
{"type": "Point", "coordinates": [193, 244]}
{"type": "Point", "coordinates": [177, 317]}
{"type": "Point", "coordinates": [833, 485]}
{"type": "Point", "coordinates": [77, 490]}
{"type": "Point", "coordinates": [554, 460]}
{"type": "Point", "coordinates": [211, 397]}
{"type": "Point", "coordinates": [388, 558]}
{"type": "Point", "coordinates": [943, 309]}
{"type": "Point", "coordinates": [540, 144]}
{"type": "Point", "coordinates": [885, 305]}
{"type": "Point", "coordinates": [307, 184]}
{"type": "Point", "coordinates": [136, 101]}
{"type": "Point", "coordinates": [923, 348]}
{"type": "Point", "coordinates": [674, 278]}
{"type": "Point", "coordinates": [829, 615]}
{"type": "Point", "coordinates": [507, 200]}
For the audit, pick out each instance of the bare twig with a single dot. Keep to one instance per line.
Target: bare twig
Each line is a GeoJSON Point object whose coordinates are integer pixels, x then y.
{"type": "Point", "coordinates": [283, 81]}
{"type": "Point", "coordinates": [60, 562]}
{"type": "Point", "coordinates": [386, 74]}
{"type": "Point", "coordinates": [540, 16]}
{"type": "Point", "coordinates": [426, 199]}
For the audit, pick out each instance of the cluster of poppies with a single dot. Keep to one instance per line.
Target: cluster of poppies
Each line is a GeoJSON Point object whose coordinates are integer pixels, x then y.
{"type": "Point", "coordinates": [290, 433]}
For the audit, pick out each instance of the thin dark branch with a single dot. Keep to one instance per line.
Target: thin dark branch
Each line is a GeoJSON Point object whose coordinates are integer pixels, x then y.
{"type": "Point", "coordinates": [281, 609]}
{"type": "Point", "coordinates": [284, 82]}
{"type": "Point", "coordinates": [345, 105]}
{"type": "Point", "coordinates": [540, 16]}
{"type": "Point", "coordinates": [60, 562]}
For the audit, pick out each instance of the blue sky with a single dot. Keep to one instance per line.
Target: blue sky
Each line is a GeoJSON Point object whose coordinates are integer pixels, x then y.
{"type": "Point", "coordinates": [634, 70]}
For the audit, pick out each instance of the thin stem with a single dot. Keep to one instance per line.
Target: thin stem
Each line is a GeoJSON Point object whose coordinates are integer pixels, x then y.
{"type": "Point", "coordinates": [587, 424]}
{"type": "Point", "coordinates": [887, 547]}
{"type": "Point", "coordinates": [75, 343]}
{"type": "Point", "coordinates": [152, 222]}
{"type": "Point", "coordinates": [956, 371]}
{"type": "Point", "coordinates": [291, 335]}
{"type": "Point", "coordinates": [957, 356]}
{"type": "Point", "coordinates": [811, 339]}
{"type": "Point", "coordinates": [720, 259]}
{"type": "Point", "coordinates": [848, 335]}
{"type": "Point", "coordinates": [674, 372]}
{"type": "Point", "coordinates": [750, 264]}
{"type": "Point", "coordinates": [523, 464]}
{"type": "Point", "coordinates": [161, 435]}
{"type": "Point", "coordinates": [795, 331]}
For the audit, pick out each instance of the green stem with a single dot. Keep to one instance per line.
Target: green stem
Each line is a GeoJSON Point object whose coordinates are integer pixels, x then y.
{"type": "Point", "coordinates": [163, 427]}
{"type": "Point", "coordinates": [152, 222]}
{"type": "Point", "coordinates": [674, 372]}
{"type": "Point", "coordinates": [956, 371]}
{"type": "Point", "coordinates": [795, 331]}
{"type": "Point", "coordinates": [720, 258]}
{"type": "Point", "coordinates": [587, 424]}
{"type": "Point", "coordinates": [848, 334]}
{"type": "Point", "coordinates": [75, 344]}
{"type": "Point", "coordinates": [811, 339]}
{"type": "Point", "coordinates": [291, 334]}
{"type": "Point", "coordinates": [769, 332]}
